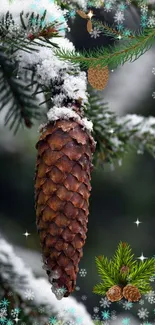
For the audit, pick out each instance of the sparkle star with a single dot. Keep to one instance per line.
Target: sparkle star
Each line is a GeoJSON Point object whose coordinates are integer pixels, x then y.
{"type": "Point", "coordinates": [90, 14]}
{"type": "Point", "coordinates": [137, 222]}
{"type": "Point", "coordinates": [17, 319]}
{"type": "Point", "coordinates": [142, 257]}
{"type": "Point", "coordinates": [26, 234]}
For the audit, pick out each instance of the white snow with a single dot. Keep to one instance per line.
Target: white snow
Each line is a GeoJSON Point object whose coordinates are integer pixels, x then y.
{"type": "Point", "coordinates": [37, 286]}
{"type": "Point", "coordinates": [56, 113]}
{"type": "Point", "coordinates": [17, 6]}
{"type": "Point", "coordinates": [142, 124]}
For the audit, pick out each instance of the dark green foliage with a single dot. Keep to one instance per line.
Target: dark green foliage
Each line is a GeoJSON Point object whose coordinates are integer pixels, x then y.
{"type": "Point", "coordinates": [21, 106]}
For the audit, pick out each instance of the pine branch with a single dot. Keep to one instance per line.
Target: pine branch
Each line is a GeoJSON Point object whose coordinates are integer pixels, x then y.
{"type": "Point", "coordinates": [105, 270]}
{"type": "Point", "coordinates": [22, 108]}
{"type": "Point", "coordinates": [114, 56]}
{"type": "Point", "coordinates": [143, 271]}
{"type": "Point", "coordinates": [116, 135]}
{"type": "Point", "coordinates": [100, 289]}
{"type": "Point", "coordinates": [110, 31]}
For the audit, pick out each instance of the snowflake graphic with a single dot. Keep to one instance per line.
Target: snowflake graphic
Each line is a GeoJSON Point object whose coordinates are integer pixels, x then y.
{"type": "Point", "coordinates": [126, 321]}
{"type": "Point", "coordinates": [84, 297]}
{"type": "Point", "coordinates": [52, 320]}
{"type": "Point", "coordinates": [29, 294]}
{"type": "Point", "coordinates": [3, 313]}
{"type": "Point", "coordinates": [83, 272]}
{"type": "Point", "coordinates": [143, 313]}
{"type": "Point", "coordinates": [104, 302]}
{"type": "Point", "coordinates": [151, 22]}
{"type": "Point", "coordinates": [108, 7]}
{"type": "Point", "coordinates": [96, 309]}
{"type": "Point", "coordinates": [70, 310]}
{"type": "Point", "coordinates": [141, 302]}
{"type": "Point", "coordinates": [119, 17]}
{"type": "Point", "coordinates": [79, 320]}
{"type": "Point", "coordinates": [5, 303]}
{"type": "Point", "coordinates": [122, 6]}
{"type": "Point", "coordinates": [41, 310]}
{"type": "Point", "coordinates": [105, 314]}
{"type": "Point", "coordinates": [153, 94]}
{"type": "Point", "coordinates": [9, 322]}
{"type": "Point", "coordinates": [150, 297]}
{"type": "Point", "coordinates": [95, 32]}
{"type": "Point", "coordinates": [15, 312]}
{"type": "Point", "coordinates": [113, 315]}
{"type": "Point", "coordinates": [127, 305]}
{"type": "Point", "coordinates": [96, 317]}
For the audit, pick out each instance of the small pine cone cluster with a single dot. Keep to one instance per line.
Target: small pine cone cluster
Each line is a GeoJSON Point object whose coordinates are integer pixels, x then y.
{"type": "Point", "coordinates": [62, 190]}
{"type": "Point", "coordinates": [129, 292]}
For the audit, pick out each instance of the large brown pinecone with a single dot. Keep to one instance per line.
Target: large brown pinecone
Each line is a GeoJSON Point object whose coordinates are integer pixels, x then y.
{"type": "Point", "coordinates": [62, 190]}
{"type": "Point", "coordinates": [114, 293]}
{"type": "Point", "coordinates": [131, 293]}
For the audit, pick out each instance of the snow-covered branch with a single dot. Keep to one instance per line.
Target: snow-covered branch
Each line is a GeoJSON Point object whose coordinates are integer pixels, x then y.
{"type": "Point", "coordinates": [21, 280]}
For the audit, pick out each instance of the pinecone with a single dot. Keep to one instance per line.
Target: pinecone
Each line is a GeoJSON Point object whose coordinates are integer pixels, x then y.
{"type": "Point", "coordinates": [98, 77]}
{"type": "Point", "coordinates": [114, 293]}
{"type": "Point", "coordinates": [62, 190]}
{"type": "Point", "coordinates": [131, 293]}
{"type": "Point", "coordinates": [124, 269]}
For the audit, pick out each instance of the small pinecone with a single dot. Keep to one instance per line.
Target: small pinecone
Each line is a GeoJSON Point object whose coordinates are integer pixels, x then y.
{"type": "Point", "coordinates": [98, 77]}
{"type": "Point", "coordinates": [124, 269]}
{"type": "Point", "coordinates": [131, 293]}
{"type": "Point", "coordinates": [114, 293]}
{"type": "Point", "coordinates": [62, 190]}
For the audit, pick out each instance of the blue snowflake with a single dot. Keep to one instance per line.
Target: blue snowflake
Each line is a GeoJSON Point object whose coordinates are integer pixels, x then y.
{"type": "Point", "coordinates": [79, 320]}
{"type": "Point", "coordinates": [122, 6]}
{"type": "Point", "coordinates": [72, 13]}
{"type": "Point", "coordinates": [71, 310]}
{"type": "Point", "coordinates": [127, 32]}
{"type": "Point", "coordinates": [9, 322]}
{"type": "Point", "coordinates": [5, 303]}
{"type": "Point", "coordinates": [105, 314]}
{"type": "Point", "coordinates": [126, 321]}
{"type": "Point", "coordinates": [53, 320]}
{"type": "Point", "coordinates": [120, 27]}
{"type": "Point", "coordinates": [3, 320]}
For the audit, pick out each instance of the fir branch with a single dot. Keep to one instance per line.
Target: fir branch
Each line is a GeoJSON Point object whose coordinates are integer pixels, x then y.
{"type": "Point", "coordinates": [143, 271]}
{"type": "Point", "coordinates": [105, 270]}
{"type": "Point", "coordinates": [110, 31]}
{"type": "Point", "coordinates": [114, 56]}
{"type": "Point", "coordinates": [122, 257]}
{"type": "Point", "coordinates": [116, 135]}
{"type": "Point", "coordinates": [100, 288]}
{"type": "Point", "coordinates": [22, 108]}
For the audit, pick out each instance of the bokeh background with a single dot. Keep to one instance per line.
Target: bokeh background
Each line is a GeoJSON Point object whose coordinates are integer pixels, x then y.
{"type": "Point", "coordinates": [119, 195]}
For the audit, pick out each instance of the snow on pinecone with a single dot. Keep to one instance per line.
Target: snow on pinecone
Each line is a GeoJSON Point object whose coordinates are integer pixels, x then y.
{"type": "Point", "coordinates": [62, 190]}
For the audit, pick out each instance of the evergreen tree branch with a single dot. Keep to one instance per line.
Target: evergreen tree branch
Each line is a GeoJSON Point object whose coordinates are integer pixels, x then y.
{"type": "Point", "coordinates": [22, 108]}
{"type": "Point", "coordinates": [114, 135]}
{"type": "Point", "coordinates": [110, 31]}
{"type": "Point", "coordinates": [129, 50]}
